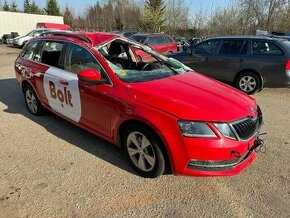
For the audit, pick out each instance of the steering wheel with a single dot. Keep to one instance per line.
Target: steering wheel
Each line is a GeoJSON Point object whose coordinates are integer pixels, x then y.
{"type": "Point", "coordinates": [145, 66]}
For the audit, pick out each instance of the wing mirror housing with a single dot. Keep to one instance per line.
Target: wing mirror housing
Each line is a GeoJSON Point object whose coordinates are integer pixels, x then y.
{"type": "Point", "coordinates": [91, 76]}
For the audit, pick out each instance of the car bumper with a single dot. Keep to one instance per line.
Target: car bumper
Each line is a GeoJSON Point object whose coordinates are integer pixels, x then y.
{"type": "Point", "coordinates": [217, 157]}
{"type": "Point", "coordinates": [277, 80]}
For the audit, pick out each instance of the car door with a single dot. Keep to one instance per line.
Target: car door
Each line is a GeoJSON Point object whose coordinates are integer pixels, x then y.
{"type": "Point", "coordinates": [200, 56]}
{"type": "Point", "coordinates": [60, 86]}
{"type": "Point", "coordinates": [228, 60]}
{"type": "Point", "coordinates": [95, 98]}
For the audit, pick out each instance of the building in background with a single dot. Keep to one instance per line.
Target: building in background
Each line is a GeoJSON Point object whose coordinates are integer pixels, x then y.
{"type": "Point", "coordinates": [23, 23]}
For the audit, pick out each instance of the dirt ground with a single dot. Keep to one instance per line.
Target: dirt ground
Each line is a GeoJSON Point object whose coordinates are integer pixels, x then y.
{"type": "Point", "coordinates": [50, 168]}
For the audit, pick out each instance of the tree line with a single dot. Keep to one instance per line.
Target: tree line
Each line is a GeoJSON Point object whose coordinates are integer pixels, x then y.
{"type": "Point", "coordinates": [241, 17]}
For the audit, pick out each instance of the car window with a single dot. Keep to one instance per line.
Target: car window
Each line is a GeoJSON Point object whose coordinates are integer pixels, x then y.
{"type": "Point", "coordinates": [140, 39]}
{"type": "Point", "coordinates": [169, 39]}
{"type": "Point", "coordinates": [153, 40]}
{"type": "Point", "coordinates": [266, 48]}
{"type": "Point", "coordinates": [29, 51]}
{"type": "Point", "coordinates": [206, 48]}
{"type": "Point", "coordinates": [51, 53]}
{"type": "Point", "coordinates": [78, 59]}
{"type": "Point", "coordinates": [233, 47]}
{"type": "Point", "coordinates": [161, 40]}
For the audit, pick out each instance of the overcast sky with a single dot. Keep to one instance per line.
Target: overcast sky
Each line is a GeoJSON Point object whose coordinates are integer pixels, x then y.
{"type": "Point", "coordinates": [78, 6]}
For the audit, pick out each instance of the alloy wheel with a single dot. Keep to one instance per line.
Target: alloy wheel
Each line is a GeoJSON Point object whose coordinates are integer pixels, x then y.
{"type": "Point", "coordinates": [247, 84]}
{"type": "Point", "coordinates": [141, 151]}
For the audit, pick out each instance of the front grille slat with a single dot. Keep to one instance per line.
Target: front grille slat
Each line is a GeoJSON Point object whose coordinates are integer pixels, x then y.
{"type": "Point", "coordinates": [248, 127]}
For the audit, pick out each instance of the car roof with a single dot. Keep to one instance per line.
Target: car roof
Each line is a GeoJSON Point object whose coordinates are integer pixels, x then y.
{"type": "Point", "coordinates": [150, 34]}
{"type": "Point", "coordinates": [270, 37]}
{"type": "Point", "coordinates": [93, 38]}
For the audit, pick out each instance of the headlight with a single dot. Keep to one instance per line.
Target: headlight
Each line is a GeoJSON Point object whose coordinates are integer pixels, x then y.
{"type": "Point", "coordinates": [195, 129]}
{"type": "Point", "coordinates": [226, 130]}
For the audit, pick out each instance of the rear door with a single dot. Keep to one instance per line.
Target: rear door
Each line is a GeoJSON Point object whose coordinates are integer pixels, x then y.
{"type": "Point", "coordinates": [201, 56]}
{"type": "Point", "coordinates": [60, 86]}
{"type": "Point", "coordinates": [227, 62]}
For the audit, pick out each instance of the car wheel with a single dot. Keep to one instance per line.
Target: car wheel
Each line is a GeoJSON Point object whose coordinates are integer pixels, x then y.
{"type": "Point", "coordinates": [143, 152]}
{"type": "Point", "coordinates": [32, 103]}
{"type": "Point", "coordinates": [248, 82]}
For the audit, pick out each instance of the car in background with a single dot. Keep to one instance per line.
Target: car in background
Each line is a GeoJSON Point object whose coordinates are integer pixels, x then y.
{"type": "Point", "coordinates": [163, 114]}
{"type": "Point", "coordinates": [125, 33]}
{"type": "Point", "coordinates": [58, 26]}
{"type": "Point", "coordinates": [162, 43]}
{"type": "Point", "coordinates": [248, 62]}
{"type": "Point", "coordinates": [21, 40]}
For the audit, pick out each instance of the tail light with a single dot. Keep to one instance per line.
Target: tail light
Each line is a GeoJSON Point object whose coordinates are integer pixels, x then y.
{"type": "Point", "coordinates": [288, 64]}
{"type": "Point", "coordinates": [288, 67]}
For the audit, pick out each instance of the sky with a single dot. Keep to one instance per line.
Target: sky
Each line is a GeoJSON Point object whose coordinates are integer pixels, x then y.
{"type": "Point", "coordinates": [78, 6]}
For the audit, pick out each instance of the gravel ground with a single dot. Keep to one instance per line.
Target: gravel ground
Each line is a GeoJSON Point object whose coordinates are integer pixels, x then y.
{"type": "Point", "coordinates": [50, 168]}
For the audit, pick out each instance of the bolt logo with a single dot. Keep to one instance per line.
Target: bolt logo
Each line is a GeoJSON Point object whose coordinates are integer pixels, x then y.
{"type": "Point", "coordinates": [63, 96]}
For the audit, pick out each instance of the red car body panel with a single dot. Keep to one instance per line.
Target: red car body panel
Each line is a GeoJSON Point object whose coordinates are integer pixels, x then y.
{"type": "Point", "coordinates": [159, 104]}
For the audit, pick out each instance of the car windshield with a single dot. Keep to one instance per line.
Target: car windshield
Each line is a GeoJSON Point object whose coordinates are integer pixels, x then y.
{"type": "Point", "coordinates": [31, 32]}
{"type": "Point", "coordinates": [133, 62]}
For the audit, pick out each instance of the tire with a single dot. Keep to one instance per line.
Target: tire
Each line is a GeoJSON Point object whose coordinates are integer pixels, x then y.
{"type": "Point", "coordinates": [248, 82]}
{"type": "Point", "coordinates": [147, 161]}
{"type": "Point", "coordinates": [32, 103]}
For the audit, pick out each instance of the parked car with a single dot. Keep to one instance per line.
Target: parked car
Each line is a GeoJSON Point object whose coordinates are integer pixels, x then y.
{"type": "Point", "coordinates": [248, 62]}
{"type": "Point", "coordinates": [161, 43]}
{"type": "Point", "coordinates": [58, 26]}
{"type": "Point", "coordinates": [162, 113]}
{"type": "Point", "coordinates": [125, 33]}
{"type": "Point", "coordinates": [21, 40]}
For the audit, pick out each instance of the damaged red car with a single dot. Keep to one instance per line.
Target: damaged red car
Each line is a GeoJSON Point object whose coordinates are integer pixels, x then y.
{"type": "Point", "coordinates": [163, 114]}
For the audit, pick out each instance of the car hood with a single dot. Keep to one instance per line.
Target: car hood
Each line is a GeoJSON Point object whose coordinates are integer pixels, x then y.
{"type": "Point", "coordinates": [192, 96]}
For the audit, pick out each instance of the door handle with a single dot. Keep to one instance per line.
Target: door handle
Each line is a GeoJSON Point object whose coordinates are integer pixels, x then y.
{"type": "Point", "coordinates": [63, 82]}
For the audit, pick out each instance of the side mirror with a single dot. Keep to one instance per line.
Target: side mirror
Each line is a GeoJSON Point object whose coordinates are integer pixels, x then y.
{"type": "Point", "coordinates": [91, 76]}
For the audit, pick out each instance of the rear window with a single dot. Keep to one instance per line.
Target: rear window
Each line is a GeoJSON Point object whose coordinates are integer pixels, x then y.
{"type": "Point", "coordinates": [140, 39]}
{"type": "Point", "coordinates": [266, 48]}
{"type": "Point", "coordinates": [51, 53]}
{"type": "Point", "coordinates": [233, 47]}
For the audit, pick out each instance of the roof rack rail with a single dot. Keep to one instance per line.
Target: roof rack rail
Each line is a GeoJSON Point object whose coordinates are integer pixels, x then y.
{"type": "Point", "coordinates": [80, 37]}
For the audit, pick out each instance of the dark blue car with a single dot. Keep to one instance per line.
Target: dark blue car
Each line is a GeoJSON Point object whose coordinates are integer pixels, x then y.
{"type": "Point", "coordinates": [248, 62]}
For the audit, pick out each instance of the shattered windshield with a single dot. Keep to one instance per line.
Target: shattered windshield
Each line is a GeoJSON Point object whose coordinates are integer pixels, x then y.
{"type": "Point", "coordinates": [133, 63]}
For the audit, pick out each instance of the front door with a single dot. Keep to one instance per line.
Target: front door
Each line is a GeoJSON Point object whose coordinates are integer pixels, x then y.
{"type": "Point", "coordinates": [95, 98]}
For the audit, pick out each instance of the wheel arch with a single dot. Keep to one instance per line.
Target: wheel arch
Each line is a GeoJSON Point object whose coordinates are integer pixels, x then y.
{"type": "Point", "coordinates": [125, 124]}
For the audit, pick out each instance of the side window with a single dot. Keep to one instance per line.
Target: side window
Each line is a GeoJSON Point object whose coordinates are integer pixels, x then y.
{"type": "Point", "coordinates": [78, 59]}
{"type": "Point", "coordinates": [51, 53]}
{"type": "Point", "coordinates": [152, 40]}
{"type": "Point", "coordinates": [206, 48]}
{"type": "Point", "coordinates": [232, 47]}
{"type": "Point", "coordinates": [161, 40]}
{"type": "Point", "coordinates": [169, 39]}
{"type": "Point", "coordinates": [266, 48]}
{"type": "Point", "coordinates": [29, 51]}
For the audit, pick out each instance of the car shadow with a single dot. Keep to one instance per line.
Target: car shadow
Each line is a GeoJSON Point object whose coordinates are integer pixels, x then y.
{"type": "Point", "coordinates": [12, 97]}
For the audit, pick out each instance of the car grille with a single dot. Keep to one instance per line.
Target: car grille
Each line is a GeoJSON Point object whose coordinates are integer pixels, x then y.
{"type": "Point", "coordinates": [246, 128]}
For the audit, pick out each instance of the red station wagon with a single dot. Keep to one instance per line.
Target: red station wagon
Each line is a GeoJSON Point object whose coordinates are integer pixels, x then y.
{"type": "Point", "coordinates": [162, 113]}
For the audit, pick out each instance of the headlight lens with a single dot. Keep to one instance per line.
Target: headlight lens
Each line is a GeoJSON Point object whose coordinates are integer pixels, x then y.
{"type": "Point", "coordinates": [225, 129]}
{"type": "Point", "coordinates": [195, 129]}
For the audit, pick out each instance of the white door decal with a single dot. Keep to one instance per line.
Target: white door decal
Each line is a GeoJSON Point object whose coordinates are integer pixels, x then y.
{"type": "Point", "coordinates": [62, 91]}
